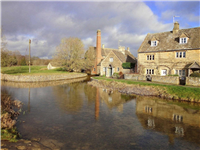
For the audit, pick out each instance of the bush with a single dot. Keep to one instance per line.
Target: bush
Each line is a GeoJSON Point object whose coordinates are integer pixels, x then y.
{"type": "Point", "coordinates": [195, 74]}
{"type": "Point", "coordinates": [173, 75]}
{"type": "Point", "coordinates": [128, 65]}
{"type": "Point", "coordinates": [116, 75]}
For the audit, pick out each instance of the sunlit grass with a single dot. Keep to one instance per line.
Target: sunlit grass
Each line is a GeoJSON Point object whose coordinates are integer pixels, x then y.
{"type": "Point", "coordinates": [174, 90]}
{"type": "Point", "coordinates": [35, 70]}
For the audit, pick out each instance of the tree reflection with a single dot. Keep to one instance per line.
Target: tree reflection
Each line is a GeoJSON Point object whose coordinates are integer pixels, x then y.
{"type": "Point", "coordinates": [69, 97]}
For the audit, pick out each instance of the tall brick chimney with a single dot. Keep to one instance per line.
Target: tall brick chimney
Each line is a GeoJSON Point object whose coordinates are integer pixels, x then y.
{"type": "Point", "coordinates": [176, 27]}
{"type": "Point", "coordinates": [98, 52]}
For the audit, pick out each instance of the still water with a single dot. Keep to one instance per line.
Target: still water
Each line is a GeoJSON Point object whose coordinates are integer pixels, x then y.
{"type": "Point", "coordinates": [68, 115]}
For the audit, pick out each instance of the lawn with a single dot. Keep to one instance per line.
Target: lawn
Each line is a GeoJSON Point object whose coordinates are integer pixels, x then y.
{"type": "Point", "coordinates": [35, 70]}
{"type": "Point", "coordinates": [175, 90]}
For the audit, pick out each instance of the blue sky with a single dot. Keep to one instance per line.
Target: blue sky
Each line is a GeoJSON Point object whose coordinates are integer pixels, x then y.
{"type": "Point", "coordinates": [47, 22]}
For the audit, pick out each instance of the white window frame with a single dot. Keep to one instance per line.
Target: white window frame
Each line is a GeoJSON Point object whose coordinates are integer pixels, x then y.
{"type": "Point", "coordinates": [183, 40]}
{"type": "Point", "coordinates": [149, 71]}
{"type": "Point", "coordinates": [154, 43]}
{"type": "Point", "coordinates": [111, 59]}
{"type": "Point", "coordinates": [181, 54]}
{"type": "Point", "coordinates": [150, 57]}
{"type": "Point", "coordinates": [180, 72]}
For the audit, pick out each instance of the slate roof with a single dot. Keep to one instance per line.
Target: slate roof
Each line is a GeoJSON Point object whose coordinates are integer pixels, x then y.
{"type": "Point", "coordinates": [128, 57]}
{"type": "Point", "coordinates": [169, 41]}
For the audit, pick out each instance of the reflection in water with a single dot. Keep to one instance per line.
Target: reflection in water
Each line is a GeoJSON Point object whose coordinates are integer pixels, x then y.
{"type": "Point", "coordinates": [172, 120]}
{"type": "Point", "coordinates": [79, 116]}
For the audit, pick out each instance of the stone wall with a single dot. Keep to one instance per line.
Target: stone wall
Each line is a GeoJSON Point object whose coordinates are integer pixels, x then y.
{"type": "Point", "coordinates": [161, 79]}
{"type": "Point", "coordinates": [40, 78]}
{"type": "Point", "coordinates": [195, 81]}
{"type": "Point", "coordinates": [135, 77]}
{"type": "Point", "coordinates": [166, 79]}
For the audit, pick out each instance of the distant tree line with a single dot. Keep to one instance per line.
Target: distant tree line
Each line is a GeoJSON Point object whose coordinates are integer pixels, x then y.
{"type": "Point", "coordinates": [14, 58]}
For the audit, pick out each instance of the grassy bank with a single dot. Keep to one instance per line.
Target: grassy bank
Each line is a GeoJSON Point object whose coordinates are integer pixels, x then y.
{"type": "Point", "coordinates": [177, 92]}
{"type": "Point", "coordinates": [35, 70]}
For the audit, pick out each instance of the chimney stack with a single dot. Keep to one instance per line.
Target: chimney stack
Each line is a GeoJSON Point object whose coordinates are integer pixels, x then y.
{"type": "Point", "coordinates": [176, 27]}
{"type": "Point", "coordinates": [128, 49]}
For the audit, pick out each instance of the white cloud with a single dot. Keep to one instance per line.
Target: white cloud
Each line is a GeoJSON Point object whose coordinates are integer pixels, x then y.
{"type": "Point", "coordinates": [46, 24]}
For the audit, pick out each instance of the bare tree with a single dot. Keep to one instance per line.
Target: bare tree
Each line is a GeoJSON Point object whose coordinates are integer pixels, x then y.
{"type": "Point", "coordinates": [70, 54]}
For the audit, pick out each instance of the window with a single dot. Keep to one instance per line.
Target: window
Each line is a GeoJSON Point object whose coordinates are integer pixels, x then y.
{"type": "Point", "coordinates": [118, 69]}
{"type": "Point", "coordinates": [183, 40]}
{"type": "Point", "coordinates": [153, 43]}
{"type": "Point", "coordinates": [150, 57]}
{"type": "Point", "coordinates": [180, 72]}
{"type": "Point", "coordinates": [183, 54]}
{"type": "Point", "coordinates": [111, 59]}
{"type": "Point", "coordinates": [180, 54]}
{"type": "Point", "coordinates": [94, 69]}
{"type": "Point", "coordinates": [150, 71]}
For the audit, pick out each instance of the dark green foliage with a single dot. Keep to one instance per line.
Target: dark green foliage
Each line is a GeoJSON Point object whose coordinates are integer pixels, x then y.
{"type": "Point", "coordinates": [195, 74]}
{"type": "Point", "coordinates": [128, 65]}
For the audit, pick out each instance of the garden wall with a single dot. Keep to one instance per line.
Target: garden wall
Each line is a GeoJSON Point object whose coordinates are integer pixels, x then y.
{"type": "Point", "coordinates": [40, 78]}
{"type": "Point", "coordinates": [166, 79]}
{"type": "Point", "coordinates": [161, 79]}
{"type": "Point", "coordinates": [135, 77]}
{"type": "Point", "coordinates": [195, 81]}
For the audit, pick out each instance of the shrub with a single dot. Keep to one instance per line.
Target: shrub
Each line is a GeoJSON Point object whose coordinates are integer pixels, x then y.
{"type": "Point", "coordinates": [128, 65]}
{"type": "Point", "coordinates": [173, 75]}
{"type": "Point", "coordinates": [195, 74]}
{"type": "Point", "coordinates": [116, 75]}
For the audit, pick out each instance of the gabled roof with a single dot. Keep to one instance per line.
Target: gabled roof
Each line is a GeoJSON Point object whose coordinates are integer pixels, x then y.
{"type": "Point", "coordinates": [128, 57]}
{"type": "Point", "coordinates": [184, 35]}
{"type": "Point", "coordinates": [154, 39]}
{"type": "Point", "coordinates": [194, 65]}
{"type": "Point", "coordinates": [169, 41]}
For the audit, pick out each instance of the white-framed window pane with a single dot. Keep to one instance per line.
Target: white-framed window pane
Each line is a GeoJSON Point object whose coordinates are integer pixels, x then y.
{"type": "Point", "coordinates": [152, 71]}
{"type": "Point", "coordinates": [153, 43]}
{"type": "Point", "coordinates": [111, 59]}
{"type": "Point", "coordinates": [147, 71]}
{"type": "Point", "coordinates": [184, 40]}
{"type": "Point", "coordinates": [183, 54]}
{"type": "Point", "coordinates": [152, 57]}
{"type": "Point", "coordinates": [180, 54]}
{"type": "Point", "coordinates": [147, 57]}
{"type": "Point", "coordinates": [183, 72]}
{"type": "Point", "coordinates": [176, 54]}
{"type": "Point", "coordinates": [180, 72]}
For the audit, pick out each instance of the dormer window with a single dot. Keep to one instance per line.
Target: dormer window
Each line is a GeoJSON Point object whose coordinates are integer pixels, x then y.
{"type": "Point", "coordinates": [183, 40]}
{"type": "Point", "coordinates": [153, 43]}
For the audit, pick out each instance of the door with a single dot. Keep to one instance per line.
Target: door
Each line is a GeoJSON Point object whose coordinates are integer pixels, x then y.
{"type": "Point", "coordinates": [110, 72]}
{"type": "Point", "coordinates": [163, 72]}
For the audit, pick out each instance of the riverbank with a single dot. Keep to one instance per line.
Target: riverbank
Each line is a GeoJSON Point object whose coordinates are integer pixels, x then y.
{"type": "Point", "coordinates": [173, 92]}
{"type": "Point", "coordinates": [41, 77]}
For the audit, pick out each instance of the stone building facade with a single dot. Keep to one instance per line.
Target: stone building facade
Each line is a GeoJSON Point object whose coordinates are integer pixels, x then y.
{"type": "Point", "coordinates": [109, 60]}
{"type": "Point", "coordinates": [169, 53]}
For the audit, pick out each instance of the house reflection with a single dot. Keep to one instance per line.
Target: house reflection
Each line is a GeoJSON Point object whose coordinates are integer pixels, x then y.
{"type": "Point", "coordinates": [170, 119]}
{"type": "Point", "coordinates": [112, 99]}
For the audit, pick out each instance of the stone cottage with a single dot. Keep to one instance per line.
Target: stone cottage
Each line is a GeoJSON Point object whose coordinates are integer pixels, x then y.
{"type": "Point", "coordinates": [169, 53]}
{"type": "Point", "coordinates": [109, 60]}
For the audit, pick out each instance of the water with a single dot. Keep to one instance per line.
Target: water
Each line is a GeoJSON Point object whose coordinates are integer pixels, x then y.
{"type": "Point", "coordinates": [69, 115]}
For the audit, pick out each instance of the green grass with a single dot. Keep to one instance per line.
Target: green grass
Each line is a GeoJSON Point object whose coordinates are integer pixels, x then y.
{"type": "Point", "coordinates": [35, 70]}
{"type": "Point", "coordinates": [174, 90]}
{"type": "Point", "coordinates": [9, 134]}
